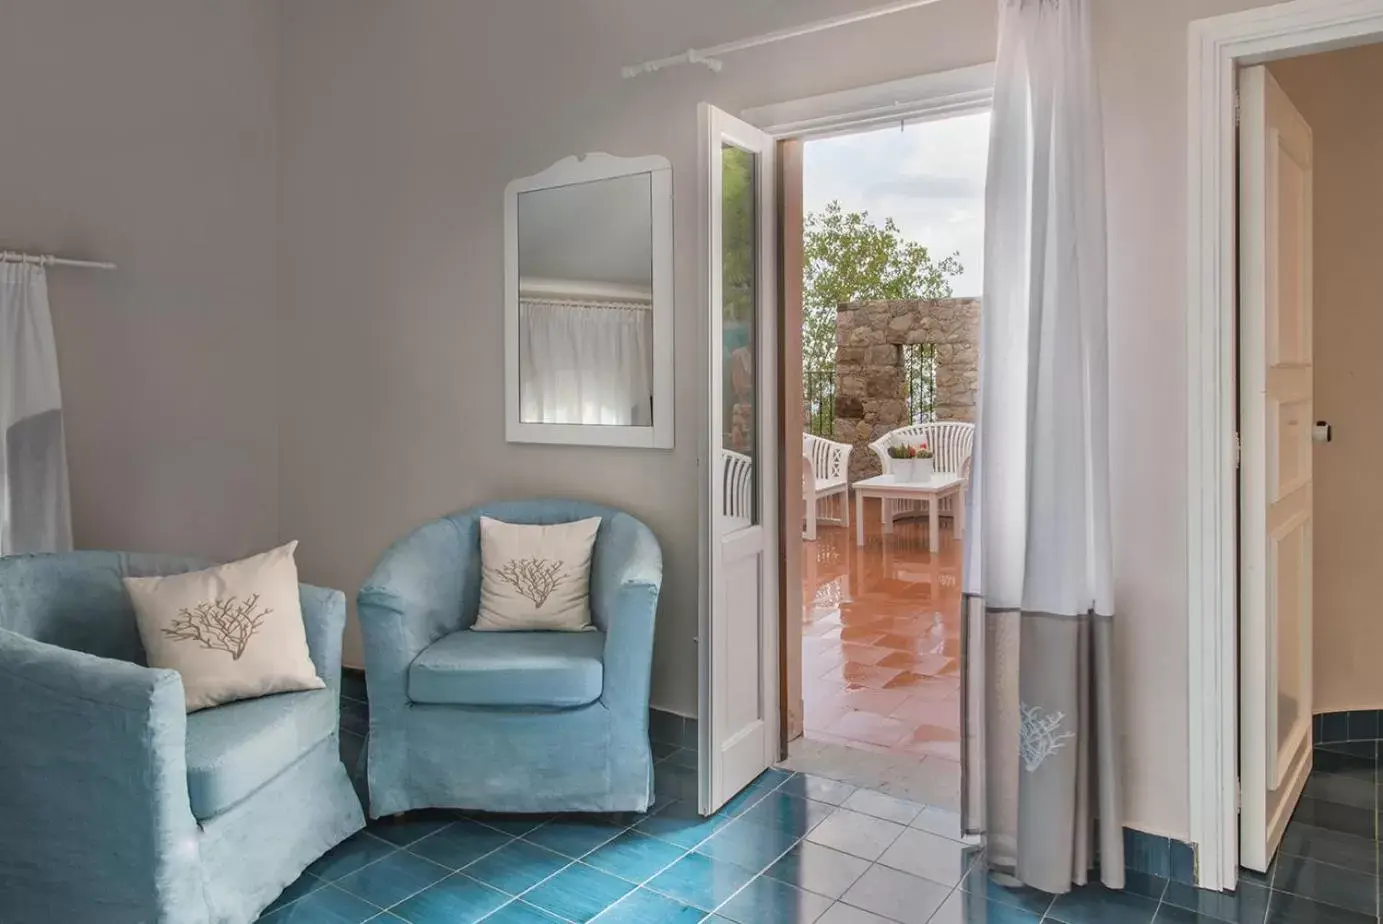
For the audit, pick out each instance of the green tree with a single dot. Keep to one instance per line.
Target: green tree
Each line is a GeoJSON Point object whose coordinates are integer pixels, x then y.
{"type": "Point", "coordinates": [848, 258]}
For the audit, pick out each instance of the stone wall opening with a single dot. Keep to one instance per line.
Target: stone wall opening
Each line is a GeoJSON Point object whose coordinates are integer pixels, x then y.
{"type": "Point", "coordinates": [872, 384]}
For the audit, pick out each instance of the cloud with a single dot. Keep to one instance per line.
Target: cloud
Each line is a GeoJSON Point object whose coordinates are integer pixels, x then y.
{"type": "Point", "coordinates": [929, 178]}
{"type": "Point", "coordinates": [928, 187]}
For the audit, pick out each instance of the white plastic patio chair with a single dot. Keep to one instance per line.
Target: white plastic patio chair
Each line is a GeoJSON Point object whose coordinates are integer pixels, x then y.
{"type": "Point", "coordinates": [825, 475]}
{"type": "Point", "coordinates": [737, 487]}
{"type": "Point", "coordinates": [951, 442]}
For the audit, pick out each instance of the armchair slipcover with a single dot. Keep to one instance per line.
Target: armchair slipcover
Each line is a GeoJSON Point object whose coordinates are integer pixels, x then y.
{"type": "Point", "coordinates": [118, 807]}
{"type": "Point", "coordinates": [509, 721]}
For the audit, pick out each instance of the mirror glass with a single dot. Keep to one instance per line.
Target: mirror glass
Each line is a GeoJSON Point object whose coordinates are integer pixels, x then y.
{"type": "Point", "coordinates": [585, 303]}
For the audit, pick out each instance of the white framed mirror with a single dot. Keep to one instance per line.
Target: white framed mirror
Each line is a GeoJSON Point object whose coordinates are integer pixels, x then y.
{"type": "Point", "coordinates": [588, 303]}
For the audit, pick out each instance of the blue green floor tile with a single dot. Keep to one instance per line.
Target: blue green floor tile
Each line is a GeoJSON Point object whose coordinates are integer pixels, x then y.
{"type": "Point", "coordinates": [389, 881]}
{"type": "Point", "coordinates": [644, 907]}
{"type": "Point", "coordinates": [750, 864]}
{"type": "Point", "coordinates": [459, 844]}
{"type": "Point", "coordinates": [573, 836]}
{"type": "Point", "coordinates": [517, 866]}
{"type": "Point", "coordinates": [301, 886]}
{"type": "Point", "coordinates": [578, 893]}
{"type": "Point", "coordinates": [520, 912]}
{"type": "Point", "coordinates": [457, 899]}
{"type": "Point", "coordinates": [967, 908]}
{"type": "Point", "coordinates": [765, 899]}
{"type": "Point", "coordinates": [681, 824]}
{"type": "Point", "coordinates": [327, 905]}
{"type": "Point", "coordinates": [349, 856]}
{"type": "Point", "coordinates": [1094, 904]}
{"type": "Point", "coordinates": [634, 856]}
{"type": "Point", "coordinates": [405, 831]}
{"type": "Point", "coordinates": [701, 881]}
{"type": "Point", "coordinates": [980, 881]}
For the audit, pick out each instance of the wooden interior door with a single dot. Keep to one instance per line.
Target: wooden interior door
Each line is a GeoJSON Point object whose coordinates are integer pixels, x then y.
{"type": "Point", "coordinates": [1275, 387]}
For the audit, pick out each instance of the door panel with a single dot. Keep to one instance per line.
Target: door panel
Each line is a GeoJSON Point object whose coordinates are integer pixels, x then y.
{"type": "Point", "coordinates": [740, 580]}
{"type": "Point", "coordinates": [1275, 409]}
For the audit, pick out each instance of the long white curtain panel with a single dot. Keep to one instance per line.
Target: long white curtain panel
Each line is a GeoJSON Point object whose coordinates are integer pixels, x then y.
{"type": "Point", "coordinates": [1038, 558]}
{"type": "Point", "coordinates": [34, 513]}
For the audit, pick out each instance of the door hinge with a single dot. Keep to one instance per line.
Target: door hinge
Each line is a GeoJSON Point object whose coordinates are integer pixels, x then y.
{"type": "Point", "coordinates": [1238, 796]}
{"type": "Point", "coordinates": [1236, 105]}
{"type": "Point", "coordinates": [1238, 451]}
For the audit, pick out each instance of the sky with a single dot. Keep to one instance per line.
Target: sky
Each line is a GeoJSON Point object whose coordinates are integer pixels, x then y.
{"type": "Point", "coordinates": [927, 176]}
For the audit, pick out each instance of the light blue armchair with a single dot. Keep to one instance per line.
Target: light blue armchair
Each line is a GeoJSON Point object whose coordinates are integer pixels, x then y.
{"type": "Point", "coordinates": [116, 806]}
{"type": "Point", "coordinates": [508, 721]}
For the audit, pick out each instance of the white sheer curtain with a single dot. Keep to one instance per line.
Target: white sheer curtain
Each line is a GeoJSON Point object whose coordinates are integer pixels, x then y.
{"type": "Point", "coordinates": [585, 363]}
{"type": "Point", "coordinates": [1038, 551]}
{"type": "Point", "coordinates": [33, 464]}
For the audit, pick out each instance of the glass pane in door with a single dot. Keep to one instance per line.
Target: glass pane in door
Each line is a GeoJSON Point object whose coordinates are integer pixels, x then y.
{"type": "Point", "coordinates": [739, 320]}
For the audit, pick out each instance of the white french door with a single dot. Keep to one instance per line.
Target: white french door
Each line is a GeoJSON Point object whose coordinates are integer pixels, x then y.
{"type": "Point", "coordinates": [739, 522]}
{"type": "Point", "coordinates": [1275, 280]}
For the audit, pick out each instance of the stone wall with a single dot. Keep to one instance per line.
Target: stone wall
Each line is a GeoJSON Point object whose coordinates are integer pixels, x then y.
{"type": "Point", "coordinates": [871, 396]}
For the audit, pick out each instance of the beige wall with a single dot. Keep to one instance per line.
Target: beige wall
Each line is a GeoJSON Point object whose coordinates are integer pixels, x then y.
{"type": "Point", "coordinates": [1334, 92]}
{"type": "Point", "coordinates": [401, 126]}
{"type": "Point", "coordinates": [144, 132]}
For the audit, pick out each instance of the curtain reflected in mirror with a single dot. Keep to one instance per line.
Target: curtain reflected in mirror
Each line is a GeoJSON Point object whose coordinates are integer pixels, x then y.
{"type": "Point", "coordinates": [739, 317]}
{"type": "Point", "coordinates": [585, 254]}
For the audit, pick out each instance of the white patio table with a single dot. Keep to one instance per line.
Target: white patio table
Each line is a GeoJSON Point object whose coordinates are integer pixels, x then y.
{"type": "Point", "coordinates": [941, 484]}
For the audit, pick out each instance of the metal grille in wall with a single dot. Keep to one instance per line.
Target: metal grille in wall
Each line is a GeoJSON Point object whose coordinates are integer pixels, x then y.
{"type": "Point", "coordinates": [919, 381]}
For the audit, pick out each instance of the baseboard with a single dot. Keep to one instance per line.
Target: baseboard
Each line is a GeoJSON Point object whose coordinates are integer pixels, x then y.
{"type": "Point", "coordinates": [1355, 725]}
{"type": "Point", "coordinates": [670, 728]}
{"type": "Point", "coordinates": [1160, 856]}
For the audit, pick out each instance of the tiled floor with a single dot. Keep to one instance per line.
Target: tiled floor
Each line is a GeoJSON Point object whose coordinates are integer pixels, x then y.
{"type": "Point", "coordinates": [881, 639]}
{"type": "Point", "coordinates": [798, 849]}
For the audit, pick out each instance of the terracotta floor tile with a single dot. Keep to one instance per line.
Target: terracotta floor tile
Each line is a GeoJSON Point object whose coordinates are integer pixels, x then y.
{"type": "Point", "coordinates": [860, 653]}
{"type": "Point", "coordinates": [881, 702]}
{"type": "Point", "coordinates": [907, 680]}
{"type": "Point", "coordinates": [859, 634]}
{"type": "Point", "coordinates": [872, 729]}
{"type": "Point", "coordinates": [934, 665]}
{"type": "Point", "coordinates": [867, 675]}
{"type": "Point", "coordinates": [938, 713]}
{"type": "Point", "coordinates": [948, 750]}
{"type": "Point", "coordinates": [881, 639]}
{"type": "Point", "coordinates": [937, 688]}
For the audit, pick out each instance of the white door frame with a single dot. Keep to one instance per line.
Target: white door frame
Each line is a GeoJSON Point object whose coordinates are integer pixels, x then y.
{"type": "Point", "coordinates": [1218, 46]}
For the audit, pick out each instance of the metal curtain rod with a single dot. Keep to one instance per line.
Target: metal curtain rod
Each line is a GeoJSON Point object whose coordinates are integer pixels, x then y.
{"type": "Point", "coordinates": [710, 57]}
{"type": "Point", "coordinates": [46, 259]}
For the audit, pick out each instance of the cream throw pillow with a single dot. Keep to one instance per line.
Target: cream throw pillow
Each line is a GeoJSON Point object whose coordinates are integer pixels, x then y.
{"type": "Point", "coordinates": [234, 631]}
{"type": "Point", "coordinates": [535, 577]}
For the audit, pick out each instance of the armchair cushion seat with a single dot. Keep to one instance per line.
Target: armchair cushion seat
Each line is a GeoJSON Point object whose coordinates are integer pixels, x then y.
{"type": "Point", "coordinates": [234, 749]}
{"type": "Point", "coordinates": [511, 669]}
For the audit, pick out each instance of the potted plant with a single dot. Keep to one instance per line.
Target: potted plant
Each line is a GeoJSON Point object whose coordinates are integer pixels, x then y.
{"type": "Point", "coordinates": [903, 456]}
{"type": "Point", "coordinates": [923, 465]}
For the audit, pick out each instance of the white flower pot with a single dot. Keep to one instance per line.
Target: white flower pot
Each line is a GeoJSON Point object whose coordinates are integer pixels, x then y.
{"type": "Point", "coordinates": [923, 469]}
{"type": "Point", "coordinates": [903, 469]}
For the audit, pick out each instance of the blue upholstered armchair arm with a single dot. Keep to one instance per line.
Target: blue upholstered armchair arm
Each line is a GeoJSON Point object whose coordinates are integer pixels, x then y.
{"type": "Point", "coordinates": [93, 784]}
{"type": "Point", "coordinates": [415, 596]}
{"type": "Point", "coordinates": [324, 617]}
{"type": "Point", "coordinates": [626, 577]}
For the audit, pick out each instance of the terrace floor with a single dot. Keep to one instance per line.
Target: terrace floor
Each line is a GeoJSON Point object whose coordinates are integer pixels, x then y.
{"type": "Point", "coordinates": [881, 641]}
